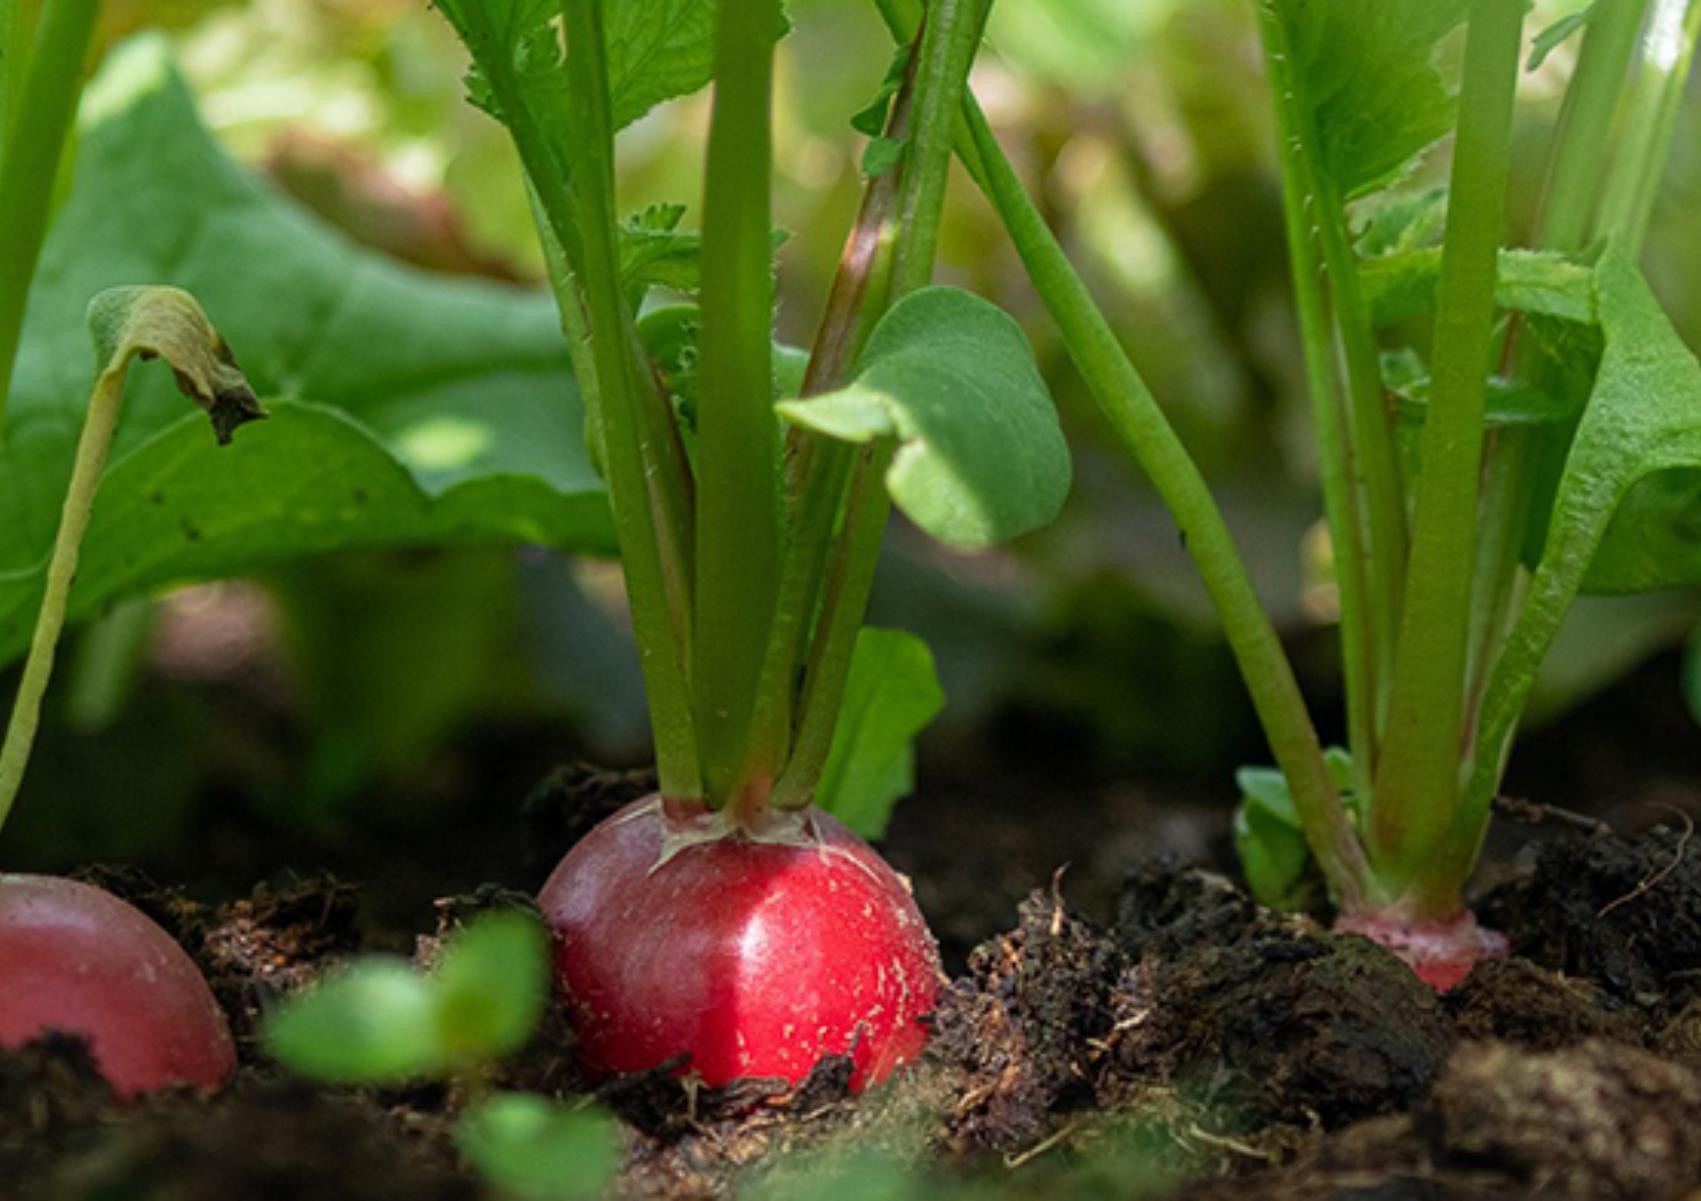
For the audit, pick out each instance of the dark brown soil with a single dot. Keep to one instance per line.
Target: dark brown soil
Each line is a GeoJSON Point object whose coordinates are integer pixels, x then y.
{"type": "Point", "coordinates": [1185, 1044]}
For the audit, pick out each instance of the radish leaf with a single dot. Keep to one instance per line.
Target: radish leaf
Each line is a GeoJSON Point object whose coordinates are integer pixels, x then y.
{"type": "Point", "coordinates": [891, 694]}
{"type": "Point", "coordinates": [950, 376]}
{"type": "Point", "coordinates": [1365, 77]}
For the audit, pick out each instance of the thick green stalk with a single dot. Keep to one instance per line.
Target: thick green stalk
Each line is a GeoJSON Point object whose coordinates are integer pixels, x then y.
{"type": "Point", "coordinates": [1668, 51]}
{"type": "Point", "coordinates": [738, 439]}
{"type": "Point", "coordinates": [949, 40]}
{"type": "Point", "coordinates": [1338, 464]}
{"type": "Point", "coordinates": [1132, 411]}
{"type": "Point", "coordinates": [92, 447]}
{"type": "Point", "coordinates": [647, 489]}
{"type": "Point", "coordinates": [35, 131]}
{"type": "Point", "coordinates": [1418, 778]}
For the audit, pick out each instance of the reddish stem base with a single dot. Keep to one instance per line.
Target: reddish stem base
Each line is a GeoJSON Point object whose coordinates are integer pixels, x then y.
{"type": "Point", "coordinates": [1442, 953]}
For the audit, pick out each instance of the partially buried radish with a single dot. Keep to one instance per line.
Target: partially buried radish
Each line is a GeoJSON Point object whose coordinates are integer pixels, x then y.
{"type": "Point", "coordinates": [752, 952]}
{"type": "Point", "coordinates": [78, 960]}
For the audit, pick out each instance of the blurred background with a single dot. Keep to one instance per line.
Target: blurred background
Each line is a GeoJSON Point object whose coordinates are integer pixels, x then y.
{"type": "Point", "coordinates": [363, 712]}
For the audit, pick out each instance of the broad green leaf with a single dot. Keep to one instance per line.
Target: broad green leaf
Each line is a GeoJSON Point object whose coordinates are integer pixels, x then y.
{"type": "Point", "coordinates": [1642, 426]}
{"type": "Point", "coordinates": [533, 1149]}
{"type": "Point", "coordinates": [1365, 76]}
{"type": "Point", "coordinates": [490, 986]}
{"type": "Point", "coordinates": [375, 1023]}
{"type": "Point", "coordinates": [407, 408]}
{"type": "Point", "coordinates": [1399, 286]}
{"type": "Point", "coordinates": [951, 377]}
{"type": "Point", "coordinates": [1548, 40]}
{"type": "Point", "coordinates": [890, 696]}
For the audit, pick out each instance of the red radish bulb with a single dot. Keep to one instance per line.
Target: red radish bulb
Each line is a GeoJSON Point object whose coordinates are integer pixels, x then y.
{"type": "Point", "coordinates": [754, 951]}
{"type": "Point", "coordinates": [76, 959]}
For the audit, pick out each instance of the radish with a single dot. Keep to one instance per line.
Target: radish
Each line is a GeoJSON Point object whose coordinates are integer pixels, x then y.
{"type": "Point", "coordinates": [76, 959]}
{"type": "Point", "coordinates": [755, 953]}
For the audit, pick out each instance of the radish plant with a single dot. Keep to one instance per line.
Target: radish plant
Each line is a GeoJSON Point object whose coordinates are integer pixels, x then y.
{"type": "Point", "coordinates": [1500, 428]}
{"type": "Point", "coordinates": [730, 920]}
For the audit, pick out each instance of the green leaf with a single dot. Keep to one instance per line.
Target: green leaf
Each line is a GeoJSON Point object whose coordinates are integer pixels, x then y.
{"type": "Point", "coordinates": [657, 50]}
{"type": "Point", "coordinates": [490, 986]}
{"type": "Point", "coordinates": [375, 1023]}
{"type": "Point", "coordinates": [891, 694]}
{"type": "Point", "coordinates": [1548, 40]}
{"type": "Point", "coordinates": [1268, 838]}
{"type": "Point", "coordinates": [535, 1150]}
{"type": "Point", "coordinates": [1403, 221]}
{"type": "Point", "coordinates": [656, 253]}
{"type": "Point", "coordinates": [1641, 428]}
{"type": "Point", "coordinates": [871, 118]}
{"type": "Point", "coordinates": [407, 408]}
{"type": "Point", "coordinates": [1400, 286]}
{"type": "Point", "coordinates": [951, 377]}
{"type": "Point", "coordinates": [1365, 76]}
{"type": "Point", "coordinates": [882, 154]}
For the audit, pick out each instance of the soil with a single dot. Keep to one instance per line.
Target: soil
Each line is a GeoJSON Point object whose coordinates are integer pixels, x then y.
{"type": "Point", "coordinates": [1152, 1034]}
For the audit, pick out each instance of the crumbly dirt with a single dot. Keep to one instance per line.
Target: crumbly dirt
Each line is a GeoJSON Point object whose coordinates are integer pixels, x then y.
{"type": "Point", "coordinates": [1188, 1044]}
{"type": "Point", "coordinates": [1623, 912]}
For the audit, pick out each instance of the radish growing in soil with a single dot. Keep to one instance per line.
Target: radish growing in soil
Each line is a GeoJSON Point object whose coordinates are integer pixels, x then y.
{"type": "Point", "coordinates": [1551, 391]}
{"type": "Point", "coordinates": [73, 958]}
{"type": "Point", "coordinates": [731, 921]}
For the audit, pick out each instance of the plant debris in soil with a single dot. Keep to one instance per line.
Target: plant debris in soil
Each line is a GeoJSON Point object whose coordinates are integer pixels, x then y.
{"type": "Point", "coordinates": [1242, 1052]}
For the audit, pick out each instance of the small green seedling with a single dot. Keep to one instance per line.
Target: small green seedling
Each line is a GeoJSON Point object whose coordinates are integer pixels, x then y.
{"type": "Point", "coordinates": [381, 1021]}
{"type": "Point", "coordinates": [1499, 429]}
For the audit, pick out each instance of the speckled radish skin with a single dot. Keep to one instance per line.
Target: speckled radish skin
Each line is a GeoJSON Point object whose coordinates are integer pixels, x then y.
{"type": "Point", "coordinates": [753, 953]}
{"type": "Point", "coordinates": [75, 958]}
{"type": "Point", "coordinates": [1441, 952]}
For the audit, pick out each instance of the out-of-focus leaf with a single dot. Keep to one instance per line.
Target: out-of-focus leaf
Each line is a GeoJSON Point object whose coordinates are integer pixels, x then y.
{"type": "Point", "coordinates": [416, 409]}
{"type": "Point", "coordinates": [375, 1023]}
{"type": "Point", "coordinates": [532, 1149]}
{"type": "Point", "coordinates": [490, 986]}
{"type": "Point", "coordinates": [890, 696]}
{"type": "Point", "coordinates": [951, 377]}
{"type": "Point", "coordinates": [1365, 75]}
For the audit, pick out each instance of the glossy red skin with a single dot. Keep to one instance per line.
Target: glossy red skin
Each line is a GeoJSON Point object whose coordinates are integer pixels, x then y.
{"type": "Point", "coordinates": [754, 959]}
{"type": "Point", "coordinates": [1442, 952]}
{"type": "Point", "coordinates": [76, 959]}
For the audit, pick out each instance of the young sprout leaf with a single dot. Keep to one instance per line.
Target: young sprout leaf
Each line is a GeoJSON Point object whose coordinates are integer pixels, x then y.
{"type": "Point", "coordinates": [950, 376]}
{"type": "Point", "coordinates": [532, 1149]}
{"type": "Point", "coordinates": [871, 118]}
{"type": "Point", "coordinates": [375, 1023]}
{"type": "Point", "coordinates": [891, 694]}
{"type": "Point", "coordinates": [1402, 221]}
{"type": "Point", "coordinates": [491, 985]}
{"type": "Point", "coordinates": [382, 1021]}
{"type": "Point", "coordinates": [416, 409]}
{"type": "Point", "coordinates": [1548, 40]}
{"type": "Point", "coordinates": [1268, 838]}
{"type": "Point", "coordinates": [656, 253]}
{"type": "Point", "coordinates": [1365, 75]}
